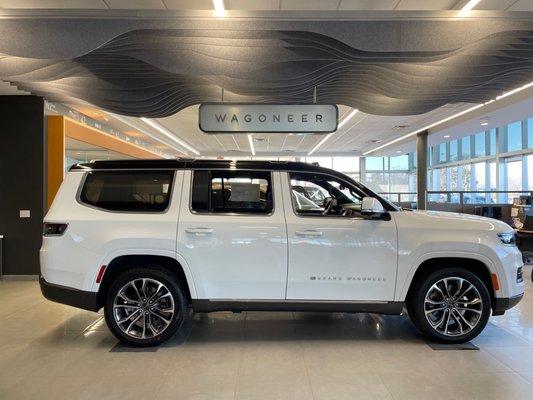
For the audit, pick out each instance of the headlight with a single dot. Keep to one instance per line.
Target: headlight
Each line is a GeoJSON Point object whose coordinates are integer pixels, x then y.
{"type": "Point", "coordinates": [507, 238]}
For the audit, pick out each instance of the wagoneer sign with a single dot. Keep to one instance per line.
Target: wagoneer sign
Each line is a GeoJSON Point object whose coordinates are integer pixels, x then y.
{"type": "Point", "coordinates": [284, 118]}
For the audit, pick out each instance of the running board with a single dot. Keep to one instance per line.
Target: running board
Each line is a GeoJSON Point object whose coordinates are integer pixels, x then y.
{"type": "Point", "coordinates": [385, 307]}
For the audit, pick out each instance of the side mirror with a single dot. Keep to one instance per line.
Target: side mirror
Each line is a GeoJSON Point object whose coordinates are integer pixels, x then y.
{"type": "Point", "coordinates": [372, 208]}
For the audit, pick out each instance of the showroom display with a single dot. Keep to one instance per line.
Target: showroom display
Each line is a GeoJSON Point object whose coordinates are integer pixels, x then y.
{"type": "Point", "coordinates": [146, 239]}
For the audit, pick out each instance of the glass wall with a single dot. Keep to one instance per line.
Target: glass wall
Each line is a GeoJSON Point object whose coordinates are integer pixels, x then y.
{"type": "Point", "coordinates": [497, 159]}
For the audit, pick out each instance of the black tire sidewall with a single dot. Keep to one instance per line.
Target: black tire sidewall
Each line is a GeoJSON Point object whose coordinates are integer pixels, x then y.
{"type": "Point", "coordinates": [154, 273]}
{"type": "Point", "coordinates": [416, 306]}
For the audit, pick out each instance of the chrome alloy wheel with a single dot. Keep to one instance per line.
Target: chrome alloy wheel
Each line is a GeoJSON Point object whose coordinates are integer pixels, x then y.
{"type": "Point", "coordinates": [143, 308]}
{"type": "Point", "coordinates": [453, 306]}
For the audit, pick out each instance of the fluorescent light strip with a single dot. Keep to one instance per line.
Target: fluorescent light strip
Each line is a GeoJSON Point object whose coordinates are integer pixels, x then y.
{"type": "Point", "coordinates": [343, 122]}
{"type": "Point", "coordinates": [251, 141]}
{"type": "Point", "coordinates": [124, 120]}
{"type": "Point", "coordinates": [468, 6]}
{"type": "Point", "coordinates": [449, 118]}
{"type": "Point", "coordinates": [220, 9]}
{"type": "Point", "coordinates": [169, 134]}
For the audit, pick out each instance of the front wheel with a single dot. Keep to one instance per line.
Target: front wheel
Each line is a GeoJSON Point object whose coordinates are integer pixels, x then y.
{"type": "Point", "coordinates": [451, 305]}
{"type": "Point", "coordinates": [145, 306]}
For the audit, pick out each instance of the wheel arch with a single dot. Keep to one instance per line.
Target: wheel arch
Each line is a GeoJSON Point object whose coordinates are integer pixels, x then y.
{"type": "Point", "coordinates": [474, 265]}
{"type": "Point", "coordinates": [122, 263]}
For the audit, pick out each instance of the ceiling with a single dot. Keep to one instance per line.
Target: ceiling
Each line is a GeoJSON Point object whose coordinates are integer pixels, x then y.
{"type": "Point", "coordinates": [259, 5]}
{"type": "Point", "coordinates": [402, 74]}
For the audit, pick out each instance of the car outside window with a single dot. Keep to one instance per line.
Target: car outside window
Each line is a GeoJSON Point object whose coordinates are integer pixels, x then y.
{"type": "Point", "coordinates": [241, 192]}
{"type": "Point", "coordinates": [323, 195]}
{"type": "Point", "coordinates": [128, 191]}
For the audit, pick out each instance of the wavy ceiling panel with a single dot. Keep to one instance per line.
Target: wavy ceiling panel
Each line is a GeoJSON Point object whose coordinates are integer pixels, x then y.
{"type": "Point", "coordinates": [157, 72]}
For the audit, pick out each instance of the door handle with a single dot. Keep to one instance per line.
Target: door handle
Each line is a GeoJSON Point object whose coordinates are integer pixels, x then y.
{"type": "Point", "coordinates": [199, 230]}
{"type": "Point", "coordinates": [310, 233]}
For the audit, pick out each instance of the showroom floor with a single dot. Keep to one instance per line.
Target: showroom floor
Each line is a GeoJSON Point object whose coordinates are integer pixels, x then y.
{"type": "Point", "coordinates": [50, 351]}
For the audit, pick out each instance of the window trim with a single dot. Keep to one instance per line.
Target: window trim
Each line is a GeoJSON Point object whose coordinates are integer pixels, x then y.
{"type": "Point", "coordinates": [233, 214]}
{"type": "Point", "coordinates": [318, 216]}
{"type": "Point", "coordinates": [172, 184]}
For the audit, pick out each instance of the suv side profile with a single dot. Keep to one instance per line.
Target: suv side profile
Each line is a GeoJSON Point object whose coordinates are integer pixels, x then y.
{"type": "Point", "coordinates": [148, 239]}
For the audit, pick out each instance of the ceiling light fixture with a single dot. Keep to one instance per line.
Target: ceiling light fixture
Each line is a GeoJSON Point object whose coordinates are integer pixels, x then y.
{"type": "Point", "coordinates": [220, 9]}
{"type": "Point", "coordinates": [449, 118]}
{"type": "Point", "coordinates": [467, 7]}
{"type": "Point", "coordinates": [252, 149]}
{"type": "Point", "coordinates": [343, 122]}
{"type": "Point", "coordinates": [446, 136]}
{"type": "Point", "coordinates": [169, 134]}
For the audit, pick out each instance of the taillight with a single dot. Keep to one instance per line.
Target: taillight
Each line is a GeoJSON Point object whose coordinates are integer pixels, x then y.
{"type": "Point", "coordinates": [54, 229]}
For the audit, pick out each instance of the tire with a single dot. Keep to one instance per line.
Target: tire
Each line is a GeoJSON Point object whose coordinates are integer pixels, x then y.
{"type": "Point", "coordinates": [450, 318]}
{"type": "Point", "coordinates": [132, 318]}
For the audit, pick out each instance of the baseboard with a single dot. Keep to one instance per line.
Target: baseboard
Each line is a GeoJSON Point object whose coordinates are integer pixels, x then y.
{"type": "Point", "coordinates": [20, 277]}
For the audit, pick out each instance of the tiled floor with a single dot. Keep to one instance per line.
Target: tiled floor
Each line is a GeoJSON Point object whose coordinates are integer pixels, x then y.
{"type": "Point", "coordinates": [50, 351]}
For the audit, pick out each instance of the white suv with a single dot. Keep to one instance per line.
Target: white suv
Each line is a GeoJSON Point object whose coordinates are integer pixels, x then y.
{"type": "Point", "coordinates": [147, 239]}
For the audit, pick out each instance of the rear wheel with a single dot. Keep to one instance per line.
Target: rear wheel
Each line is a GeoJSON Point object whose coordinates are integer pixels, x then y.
{"type": "Point", "coordinates": [451, 305]}
{"type": "Point", "coordinates": [145, 306]}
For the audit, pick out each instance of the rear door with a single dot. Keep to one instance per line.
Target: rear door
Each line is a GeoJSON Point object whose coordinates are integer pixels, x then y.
{"type": "Point", "coordinates": [232, 234]}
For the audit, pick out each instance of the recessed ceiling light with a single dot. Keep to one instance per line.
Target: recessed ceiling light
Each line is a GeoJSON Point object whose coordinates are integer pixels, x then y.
{"type": "Point", "coordinates": [169, 134]}
{"type": "Point", "coordinates": [398, 151]}
{"type": "Point", "coordinates": [484, 121]}
{"type": "Point", "coordinates": [446, 136]}
{"type": "Point", "coordinates": [375, 141]}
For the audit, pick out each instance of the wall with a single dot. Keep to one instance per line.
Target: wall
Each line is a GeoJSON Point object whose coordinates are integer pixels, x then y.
{"type": "Point", "coordinates": [22, 182]}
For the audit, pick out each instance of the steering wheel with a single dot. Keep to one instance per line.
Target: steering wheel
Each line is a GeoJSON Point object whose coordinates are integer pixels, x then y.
{"type": "Point", "coordinates": [328, 205]}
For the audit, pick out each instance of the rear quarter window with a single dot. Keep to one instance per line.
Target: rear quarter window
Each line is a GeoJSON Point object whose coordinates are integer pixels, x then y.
{"type": "Point", "coordinates": [128, 191]}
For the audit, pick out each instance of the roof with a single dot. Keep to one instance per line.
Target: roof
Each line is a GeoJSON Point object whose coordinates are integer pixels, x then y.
{"type": "Point", "coordinates": [184, 163]}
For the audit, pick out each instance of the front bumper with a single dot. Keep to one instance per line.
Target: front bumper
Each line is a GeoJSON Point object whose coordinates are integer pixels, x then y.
{"type": "Point", "coordinates": [72, 297]}
{"type": "Point", "coordinates": [503, 304]}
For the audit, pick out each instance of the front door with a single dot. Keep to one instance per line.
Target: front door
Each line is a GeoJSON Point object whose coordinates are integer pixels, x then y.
{"type": "Point", "coordinates": [334, 253]}
{"type": "Point", "coordinates": [231, 231]}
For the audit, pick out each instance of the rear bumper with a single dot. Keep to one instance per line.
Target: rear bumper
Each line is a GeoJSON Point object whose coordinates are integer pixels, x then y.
{"type": "Point", "coordinates": [69, 296]}
{"type": "Point", "coordinates": [503, 304]}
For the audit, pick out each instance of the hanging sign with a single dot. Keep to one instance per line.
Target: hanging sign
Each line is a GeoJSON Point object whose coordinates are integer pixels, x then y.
{"type": "Point", "coordinates": [268, 118]}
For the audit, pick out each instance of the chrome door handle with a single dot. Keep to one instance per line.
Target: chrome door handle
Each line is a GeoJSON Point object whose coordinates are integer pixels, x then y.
{"type": "Point", "coordinates": [199, 230]}
{"type": "Point", "coordinates": [311, 233]}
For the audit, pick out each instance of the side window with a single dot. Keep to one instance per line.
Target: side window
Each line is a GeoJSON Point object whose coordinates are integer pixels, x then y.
{"type": "Point", "coordinates": [243, 192]}
{"type": "Point", "coordinates": [130, 191]}
{"type": "Point", "coordinates": [323, 195]}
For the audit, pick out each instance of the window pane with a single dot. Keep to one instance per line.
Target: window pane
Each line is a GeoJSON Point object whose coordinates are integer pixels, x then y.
{"type": "Point", "coordinates": [141, 191]}
{"type": "Point", "coordinates": [232, 191]}
{"type": "Point", "coordinates": [479, 170]}
{"type": "Point", "coordinates": [320, 195]}
{"type": "Point", "coordinates": [453, 150]}
{"type": "Point", "coordinates": [374, 163]}
{"type": "Point", "coordinates": [399, 162]}
{"type": "Point", "coordinates": [442, 152]}
{"type": "Point", "coordinates": [492, 138]}
{"type": "Point", "coordinates": [465, 147]}
{"type": "Point", "coordinates": [479, 141]}
{"type": "Point", "coordinates": [530, 133]}
{"type": "Point", "coordinates": [514, 175]}
{"type": "Point", "coordinates": [346, 164]}
{"type": "Point", "coordinates": [514, 136]}
{"type": "Point", "coordinates": [325, 162]}
{"type": "Point", "coordinates": [377, 181]}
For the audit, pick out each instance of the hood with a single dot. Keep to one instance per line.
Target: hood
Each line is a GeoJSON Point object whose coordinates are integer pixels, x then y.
{"type": "Point", "coordinates": [463, 221]}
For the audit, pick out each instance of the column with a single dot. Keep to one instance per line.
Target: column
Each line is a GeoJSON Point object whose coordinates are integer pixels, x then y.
{"type": "Point", "coordinates": [421, 168]}
{"type": "Point", "coordinates": [22, 182]}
